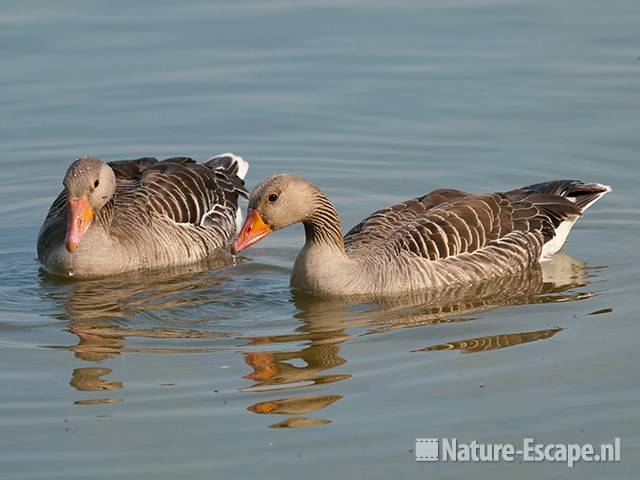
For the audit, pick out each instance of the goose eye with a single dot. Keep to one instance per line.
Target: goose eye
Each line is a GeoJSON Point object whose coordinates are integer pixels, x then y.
{"type": "Point", "coordinates": [272, 197]}
{"type": "Point", "coordinates": [96, 183]}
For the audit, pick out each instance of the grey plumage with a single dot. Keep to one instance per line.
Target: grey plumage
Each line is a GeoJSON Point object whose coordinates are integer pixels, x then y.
{"type": "Point", "coordinates": [439, 239]}
{"type": "Point", "coordinates": [157, 214]}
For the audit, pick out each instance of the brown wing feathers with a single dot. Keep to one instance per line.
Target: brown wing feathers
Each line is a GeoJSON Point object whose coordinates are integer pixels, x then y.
{"type": "Point", "coordinates": [462, 226]}
{"type": "Point", "coordinates": [178, 187]}
{"type": "Point", "coordinates": [448, 223]}
{"type": "Point", "coordinates": [131, 169]}
{"type": "Point", "coordinates": [385, 222]}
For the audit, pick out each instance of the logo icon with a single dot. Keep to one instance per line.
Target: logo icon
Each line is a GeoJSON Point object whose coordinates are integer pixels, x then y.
{"type": "Point", "coordinates": [427, 449]}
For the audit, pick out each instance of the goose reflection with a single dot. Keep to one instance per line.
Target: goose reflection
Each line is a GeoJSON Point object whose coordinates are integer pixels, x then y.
{"type": "Point", "coordinates": [278, 370]}
{"type": "Point", "coordinates": [271, 369]}
{"type": "Point", "coordinates": [97, 312]}
{"type": "Point", "coordinates": [107, 316]}
{"type": "Point", "coordinates": [493, 342]}
{"type": "Point", "coordinates": [122, 296]}
{"type": "Point", "coordinates": [326, 323]}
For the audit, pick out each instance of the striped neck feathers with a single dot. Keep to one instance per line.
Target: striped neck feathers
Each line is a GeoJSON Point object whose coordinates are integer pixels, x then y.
{"type": "Point", "coordinates": [323, 226]}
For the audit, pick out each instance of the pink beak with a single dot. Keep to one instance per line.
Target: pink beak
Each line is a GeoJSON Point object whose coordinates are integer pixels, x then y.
{"type": "Point", "coordinates": [78, 221]}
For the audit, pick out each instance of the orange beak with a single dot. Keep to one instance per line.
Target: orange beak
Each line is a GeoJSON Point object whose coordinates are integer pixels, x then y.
{"type": "Point", "coordinates": [253, 230]}
{"type": "Point", "coordinates": [80, 217]}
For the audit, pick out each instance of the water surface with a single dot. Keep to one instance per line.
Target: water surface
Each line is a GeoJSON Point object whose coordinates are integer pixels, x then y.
{"type": "Point", "coordinates": [219, 370]}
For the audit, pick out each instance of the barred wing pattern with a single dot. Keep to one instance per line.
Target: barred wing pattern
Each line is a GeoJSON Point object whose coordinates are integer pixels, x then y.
{"type": "Point", "coordinates": [186, 191]}
{"type": "Point", "coordinates": [471, 224]}
{"type": "Point", "coordinates": [195, 201]}
{"type": "Point", "coordinates": [449, 236]}
{"type": "Point", "coordinates": [377, 228]}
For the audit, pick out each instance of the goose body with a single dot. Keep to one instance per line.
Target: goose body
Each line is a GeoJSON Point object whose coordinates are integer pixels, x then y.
{"type": "Point", "coordinates": [141, 214]}
{"type": "Point", "coordinates": [440, 239]}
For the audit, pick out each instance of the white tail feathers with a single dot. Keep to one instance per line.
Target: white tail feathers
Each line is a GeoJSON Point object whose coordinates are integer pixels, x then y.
{"type": "Point", "coordinates": [230, 162]}
{"type": "Point", "coordinates": [555, 244]}
{"type": "Point", "coordinates": [605, 189]}
{"type": "Point", "coordinates": [586, 194]}
{"type": "Point", "coordinates": [583, 195]}
{"type": "Point", "coordinates": [243, 165]}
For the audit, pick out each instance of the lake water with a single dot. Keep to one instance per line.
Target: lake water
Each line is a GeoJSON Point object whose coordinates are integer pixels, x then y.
{"type": "Point", "coordinates": [220, 371]}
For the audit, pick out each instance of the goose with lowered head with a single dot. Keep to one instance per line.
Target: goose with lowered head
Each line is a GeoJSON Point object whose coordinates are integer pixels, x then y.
{"type": "Point", "coordinates": [436, 240]}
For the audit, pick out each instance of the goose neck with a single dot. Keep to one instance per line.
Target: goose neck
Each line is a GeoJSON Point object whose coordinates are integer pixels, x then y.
{"type": "Point", "coordinates": [323, 226]}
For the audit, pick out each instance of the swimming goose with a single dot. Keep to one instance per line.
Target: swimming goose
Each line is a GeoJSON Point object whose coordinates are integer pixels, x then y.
{"type": "Point", "coordinates": [439, 239]}
{"type": "Point", "coordinates": [141, 214]}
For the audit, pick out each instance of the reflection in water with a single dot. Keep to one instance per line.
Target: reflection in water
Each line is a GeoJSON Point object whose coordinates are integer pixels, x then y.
{"type": "Point", "coordinates": [95, 310]}
{"type": "Point", "coordinates": [97, 401]}
{"type": "Point", "coordinates": [325, 322]}
{"type": "Point", "coordinates": [300, 422]}
{"type": "Point", "coordinates": [272, 369]}
{"type": "Point", "coordinates": [88, 379]}
{"type": "Point", "coordinates": [493, 342]}
{"type": "Point", "coordinates": [295, 405]}
{"type": "Point", "coordinates": [122, 296]}
{"type": "Point", "coordinates": [101, 314]}
{"type": "Point", "coordinates": [99, 342]}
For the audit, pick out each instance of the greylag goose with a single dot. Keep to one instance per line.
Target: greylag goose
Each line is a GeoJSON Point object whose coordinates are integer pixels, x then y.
{"type": "Point", "coordinates": [141, 214]}
{"type": "Point", "coordinates": [439, 239]}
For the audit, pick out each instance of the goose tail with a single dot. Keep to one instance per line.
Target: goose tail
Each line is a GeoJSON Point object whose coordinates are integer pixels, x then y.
{"type": "Point", "coordinates": [583, 195]}
{"type": "Point", "coordinates": [230, 163]}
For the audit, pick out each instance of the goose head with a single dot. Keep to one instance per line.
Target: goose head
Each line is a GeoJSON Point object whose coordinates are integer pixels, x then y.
{"type": "Point", "coordinates": [275, 203]}
{"type": "Point", "coordinates": [89, 184]}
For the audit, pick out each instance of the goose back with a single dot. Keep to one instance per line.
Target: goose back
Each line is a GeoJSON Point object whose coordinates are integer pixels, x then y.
{"type": "Point", "coordinates": [450, 236]}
